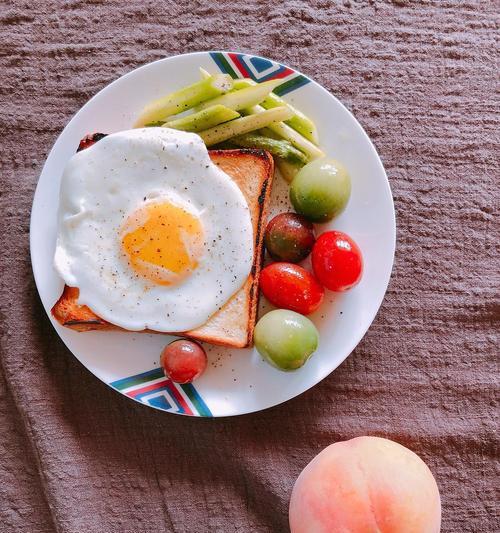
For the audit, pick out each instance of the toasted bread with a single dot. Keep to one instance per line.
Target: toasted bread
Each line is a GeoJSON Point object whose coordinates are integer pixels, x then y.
{"type": "Point", "coordinates": [233, 325]}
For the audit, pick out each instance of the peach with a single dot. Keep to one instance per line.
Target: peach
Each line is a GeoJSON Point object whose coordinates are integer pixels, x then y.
{"type": "Point", "coordinates": [365, 485]}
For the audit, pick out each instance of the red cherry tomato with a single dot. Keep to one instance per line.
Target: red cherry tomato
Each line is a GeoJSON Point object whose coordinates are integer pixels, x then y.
{"type": "Point", "coordinates": [289, 286]}
{"type": "Point", "coordinates": [337, 261]}
{"type": "Point", "coordinates": [90, 140]}
{"type": "Point", "coordinates": [183, 361]}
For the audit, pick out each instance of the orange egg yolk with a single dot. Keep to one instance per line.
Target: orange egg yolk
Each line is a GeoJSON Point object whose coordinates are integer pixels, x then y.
{"type": "Point", "coordinates": [162, 242]}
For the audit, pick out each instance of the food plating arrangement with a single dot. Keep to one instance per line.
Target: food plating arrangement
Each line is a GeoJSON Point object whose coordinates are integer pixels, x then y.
{"type": "Point", "coordinates": [162, 235]}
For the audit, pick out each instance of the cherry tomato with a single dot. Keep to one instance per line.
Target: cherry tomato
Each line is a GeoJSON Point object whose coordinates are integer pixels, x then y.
{"type": "Point", "coordinates": [321, 189]}
{"type": "Point", "coordinates": [289, 286]}
{"type": "Point", "coordinates": [337, 261]}
{"type": "Point", "coordinates": [90, 140]}
{"type": "Point", "coordinates": [183, 361]}
{"type": "Point", "coordinates": [285, 338]}
{"type": "Point", "coordinates": [289, 237]}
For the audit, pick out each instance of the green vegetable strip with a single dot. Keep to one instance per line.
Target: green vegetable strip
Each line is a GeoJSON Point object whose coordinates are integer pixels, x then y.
{"type": "Point", "coordinates": [299, 122]}
{"type": "Point", "coordinates": [204, 73]}
{"type": "Point", "coordinates": [289, 134]}
{"type": "Point", "coordinates": [185, 98]}
{"type": "Point", "coordinates": [287, 169]}
{"type": "Point", "coordinates": [242, 125]}
{"type": "Point", "coordinates": [244, 98]}
{"type": "Point", "coordinates": [238, 83]}
{"type": "Point", "coordinates": [207, 118]}
{"type": "Point", "coordinates": [155, 124]}
{"type": "Point", "coordinates": [243, 84]}
{"type": "Point", "coordinates": [280, 148]}
{"type": "Point", "coordinates": [269, 133]}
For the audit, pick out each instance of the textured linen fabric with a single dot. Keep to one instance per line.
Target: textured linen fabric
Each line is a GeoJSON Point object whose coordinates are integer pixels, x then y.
{"type": "Point", "coordinates": [422, 78]}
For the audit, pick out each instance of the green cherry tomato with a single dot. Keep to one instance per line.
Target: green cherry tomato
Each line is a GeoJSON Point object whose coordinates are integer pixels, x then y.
{"type": "Point", "coordinates": [321, 190]}
{"type": "Point", "coordinates": [285, 338]}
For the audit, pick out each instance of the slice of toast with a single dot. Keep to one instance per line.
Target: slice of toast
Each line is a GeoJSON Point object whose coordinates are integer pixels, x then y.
{"type": "Point", "coordinates": [233, 325]}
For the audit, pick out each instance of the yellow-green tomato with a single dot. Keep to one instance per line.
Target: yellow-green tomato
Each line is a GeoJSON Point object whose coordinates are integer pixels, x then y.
{"type": "Point", "coordinates": [285, 338]}
{"type": "Point", "coordinates": [321, 189]}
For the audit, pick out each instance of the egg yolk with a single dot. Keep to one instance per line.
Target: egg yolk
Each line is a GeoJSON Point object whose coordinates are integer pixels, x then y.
{"type": "Point", "coordinates": [162, 242]}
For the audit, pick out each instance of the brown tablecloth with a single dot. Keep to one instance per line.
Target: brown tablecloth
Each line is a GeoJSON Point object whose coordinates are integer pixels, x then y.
{"type": "Point", "coordinates": [421, 78]}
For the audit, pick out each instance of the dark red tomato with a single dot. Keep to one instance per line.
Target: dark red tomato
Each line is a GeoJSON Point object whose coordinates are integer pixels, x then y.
{"type": "Point", "coordinates": [289, 237]}
{"type": "Point", "coordinates": [90, 140]}
{"type": "Point", "coordinates": [183, 361]}
{"type": "Point", "coordinates": [337, 261]}
{"type": "Point", "coordinates": [289, 286]}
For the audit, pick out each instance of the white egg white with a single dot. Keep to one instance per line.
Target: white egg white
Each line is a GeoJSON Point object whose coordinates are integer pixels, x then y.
{"type": "Point", "coordinates": [103, 184]}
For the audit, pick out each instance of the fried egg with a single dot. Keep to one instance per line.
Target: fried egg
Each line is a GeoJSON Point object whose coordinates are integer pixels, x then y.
{"type": "Point", "coordinates": [153, 234]}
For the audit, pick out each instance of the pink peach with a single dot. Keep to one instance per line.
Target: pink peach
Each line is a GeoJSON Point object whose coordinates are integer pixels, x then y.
{"type": "Point", "coordinates": [365, 485]}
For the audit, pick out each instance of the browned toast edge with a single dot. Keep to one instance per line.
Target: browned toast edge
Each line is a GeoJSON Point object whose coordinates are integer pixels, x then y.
{"type": "Point", "coordinates": [81, 318]}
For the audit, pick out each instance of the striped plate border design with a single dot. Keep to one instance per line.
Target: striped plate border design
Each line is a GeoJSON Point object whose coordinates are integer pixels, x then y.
{"type": "Point", "coordinates": [259, 69]}
{"type": "Point", "coordinates": [154, 389]}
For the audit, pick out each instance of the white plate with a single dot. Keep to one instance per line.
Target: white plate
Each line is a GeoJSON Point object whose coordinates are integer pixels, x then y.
{"type": "Point", "coordinates": [236, 381]}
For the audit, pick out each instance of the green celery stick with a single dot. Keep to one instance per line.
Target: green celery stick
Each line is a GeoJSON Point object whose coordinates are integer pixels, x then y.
{"type": "Point", "coordinates": [269, 133]}
{"type": "Point", "coordinates": [155, 124]}
{"type": "Point", "coordinates": [204, 119]}
{"type": "Point", "coordinates": [242, 125]}
{"type": "Point", "coordinates": [287, 169]}
{"type": "Point", "coordinates": [279, 148]}
{"type": "Point", "coordinates": [289, 134]}
{"type": "Point", "coordinates": [242, 84]}
{"type": "Point", "coordinates": [243, 98]}
{"type": "Point", "coordinates": [184, 99]}
{"type": "Point", "coordinates": [299, 122]}
{"type": "Point", "coordinates": [204, 73]}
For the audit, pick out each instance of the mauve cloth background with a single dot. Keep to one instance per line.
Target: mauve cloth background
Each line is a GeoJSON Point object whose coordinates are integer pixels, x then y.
{"type": "Point", "coordinates": [421, 77]}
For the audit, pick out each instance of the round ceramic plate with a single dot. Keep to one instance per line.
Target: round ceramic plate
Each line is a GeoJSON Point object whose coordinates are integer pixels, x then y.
{"type": "Point", "coordinates": [237, 381]}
